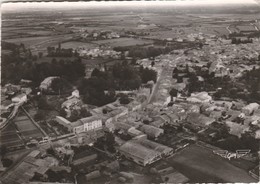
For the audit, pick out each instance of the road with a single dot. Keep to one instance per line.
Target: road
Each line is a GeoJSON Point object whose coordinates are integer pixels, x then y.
{"type": "Point", "coordinates": [166, 72]}
{"type": "Point", "coordinates": [156, 85]}
{"type": "Point", "coordinates": [228, 29]}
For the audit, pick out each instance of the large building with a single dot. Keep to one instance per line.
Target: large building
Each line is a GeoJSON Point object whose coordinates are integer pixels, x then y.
{"type": "Point", "coordinates": [143, 151]}
{"type": "Point", "coordinates": [87, 124]}
{"type": "Point", "coordinates": [151, 131]}
{"type": "Point", "coordinates": [249, 109]}
{"type": "Point", "coordinates": [81, 125]}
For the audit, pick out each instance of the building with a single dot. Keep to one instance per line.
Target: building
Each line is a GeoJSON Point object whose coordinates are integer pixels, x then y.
{"type": "Point", "coordinates": [11, 89]}
{"type": "Point", "coordinates": [71, 102]}
{"type": "Point", "coordinates": [84, 157]}
{"type": "Point", "coordinates": [257, 134]}
{"type": "Point", "coordinates": [201, 97]}
{"type": "Point", "coordinates": [93, 175]}
{"type": "Point", "coordinates": [199, 120]}
{"type": "Point", "coordinates": [249, 109]}
{"type": "Point", "coordinates": [87, 124]}
{"type": "Point", "coordinates": [139, 154]}
{"type": "Point", "coordinates": [21, 98]}
{"type": "Point", "coordinates": [74, 93]}
{"type": "Point", "coordinates": [46, 83]}
{"type": "Point", "coordinates": [64, 122]}
{"type": "Point", "coordinates": [236, 129]}
{"type": "Point", "coordinates": [158, 122]}
{"type": "Point", "coordinates": [134, 132]}
{"type": "Point", "coordinates": [6, 105]}
{"type": "Point", "coordinates": [170, 175]}
{"type": "Point", "coordinates": [164, 150]}
{"type": "Point", "coordinates": [143, 151]}
{"type": "Point", "coordinates": [27, 91]}
{"type": "Point", "coordinates": [122, 126]}
{"type": "Point", "coordinates": [151, 131]}
{"type": "Point", "coordinates": [26, 169]}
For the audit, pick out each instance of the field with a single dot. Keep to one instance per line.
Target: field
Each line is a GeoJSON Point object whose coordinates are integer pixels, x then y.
{"type": "Point", "coordinates": [123, 42]}
{"type": "Point", "coordinates": [27, 129]}
{"type": "Point", "coordinates": [28, 41]}
{"type": "Point", "coordinates": [75, 45]}
{"type": "Point", "coordinates": [40, 43]}
{"type": "Point", "coordinates": [201, 165]}
{"type": "Point", "coordinates": [9, 136]}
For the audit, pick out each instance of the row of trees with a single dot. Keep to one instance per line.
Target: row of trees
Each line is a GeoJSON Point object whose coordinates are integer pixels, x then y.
{"type": "Point", "coordinates": [61, 52]}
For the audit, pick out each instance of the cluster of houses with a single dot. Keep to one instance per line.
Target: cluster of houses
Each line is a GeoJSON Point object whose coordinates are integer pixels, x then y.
{"type": "Point", "coordinates": [100, 35]}
{"type": "Point", "coordinates": [97, 52]}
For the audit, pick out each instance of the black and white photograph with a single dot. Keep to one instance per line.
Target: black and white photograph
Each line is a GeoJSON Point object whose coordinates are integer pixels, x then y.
{"type": "Point", "coordinates": [130, 92]}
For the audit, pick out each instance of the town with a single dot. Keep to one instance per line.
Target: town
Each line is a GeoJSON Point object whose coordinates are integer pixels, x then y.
{"type": "Point", "coordinates": [125, 106]}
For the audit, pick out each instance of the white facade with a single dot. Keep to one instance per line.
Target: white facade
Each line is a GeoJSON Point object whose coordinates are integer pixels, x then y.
{"type": "Point", "coordinates": [78, 129]}
{"type": "Point", "coordinates": [87, 124]}
{"type": "Point", "coordinates": [97, 124]}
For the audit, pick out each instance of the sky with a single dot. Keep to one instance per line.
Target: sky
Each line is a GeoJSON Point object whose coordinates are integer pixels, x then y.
{"type": "Point", "coordinates": [13, 6]}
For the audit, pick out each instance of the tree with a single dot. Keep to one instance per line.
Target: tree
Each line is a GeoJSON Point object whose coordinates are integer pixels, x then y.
{"type": "Point", "coordinates": [152, 63]}
{"type": "Point", "coordinates": [124, 100]}
{"type": "Point", "coordinates": [60, 85]}
{"type": "Point", "coordinates": [173, 92]}
{"type": "Point", "coordinates": [110, 138]}
{"type": "Point", "coordinates": [84, 113]}
{"type": "Point", "coordinates": [95, 73]}
{"type": "Point", "coordinates": [175, 73]}
{"type": "Point", "coordinates": [3, 151]}
{"type": "Point", "coordinates": [7, 162]}
{"type": "Point", "coordinates": [43, 104]}
{"type": "Point", "coordinates": [74, 115]}
{"type": "Point", "coordinates": [40, 115]}
{"type": "Point", "coordinates": [148, 75]}
{"type": "Point", "coordinates": [40, 54]}
{"type": "Point", "coordinates": [50, 151]}
{"type": "Point", "coordinates": [63, 113]}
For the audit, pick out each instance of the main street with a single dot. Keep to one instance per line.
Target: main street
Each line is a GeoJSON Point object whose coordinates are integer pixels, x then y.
{"type": "Point", "coordinates": [166, 72]}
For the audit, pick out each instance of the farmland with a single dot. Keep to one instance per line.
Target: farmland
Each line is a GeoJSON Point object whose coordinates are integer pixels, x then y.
{"type": "Point", "coordinates": [76, 44]}
{"type": "Point", "coordinates": [9, 137]}
{"type": "Point", "coordinates": [39, 31]}
{"type": "Point", "coordinates": [27, 129]}
{"type": "Point", "coordinates": [123, 42]}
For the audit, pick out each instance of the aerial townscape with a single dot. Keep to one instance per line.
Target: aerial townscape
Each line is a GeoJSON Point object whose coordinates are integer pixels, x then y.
{"type": "Point", "coordinates": [117, 92]}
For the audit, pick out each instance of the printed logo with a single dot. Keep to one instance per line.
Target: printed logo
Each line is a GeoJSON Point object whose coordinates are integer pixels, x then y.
{"type": "Point", "coordinates": [229, 155]}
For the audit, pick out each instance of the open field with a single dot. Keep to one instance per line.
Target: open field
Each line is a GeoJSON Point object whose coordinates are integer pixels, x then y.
{"type": "Point", "coordinates": [28, 41]}
{"type": "Point", "coordinates": [75, 45]}
{"type": "Point", "coordinates": [201, 165]}
{"type": "Point", "coordinates": [122, 42]}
